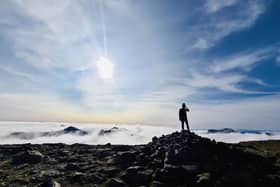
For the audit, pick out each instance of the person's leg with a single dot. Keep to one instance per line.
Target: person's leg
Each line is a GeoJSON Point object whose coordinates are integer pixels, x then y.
{"type": "Point", "coordinates": [187, 124]}
{"type": "Point", "coordinates": [182, 124]}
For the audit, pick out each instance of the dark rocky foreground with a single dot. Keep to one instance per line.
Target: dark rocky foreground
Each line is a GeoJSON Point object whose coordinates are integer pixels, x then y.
{"type": "Point", "coordinates": [178, 159]}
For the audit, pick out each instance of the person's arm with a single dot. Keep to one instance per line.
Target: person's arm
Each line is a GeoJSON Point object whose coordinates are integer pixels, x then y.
{"type": "Point", "coordinates": [187, 109]}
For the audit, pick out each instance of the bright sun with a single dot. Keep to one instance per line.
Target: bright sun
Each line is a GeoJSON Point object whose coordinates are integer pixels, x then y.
{"type": "Point", "coordinates": [105, 68]}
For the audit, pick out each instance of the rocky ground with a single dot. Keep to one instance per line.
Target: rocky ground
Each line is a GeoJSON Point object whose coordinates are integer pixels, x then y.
{"type": "Point", "coordinates": [178, 159]}
{"type": "Point", "coordinates": [269, 149]}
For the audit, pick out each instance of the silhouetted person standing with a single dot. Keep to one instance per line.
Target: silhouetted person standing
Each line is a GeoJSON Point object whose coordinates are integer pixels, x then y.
{"type": "Point", "coordinates": [183, 116]}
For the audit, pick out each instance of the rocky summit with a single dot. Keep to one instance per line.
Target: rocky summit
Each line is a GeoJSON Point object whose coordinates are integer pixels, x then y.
{"type": "Point", "coordinates": [179, 159]}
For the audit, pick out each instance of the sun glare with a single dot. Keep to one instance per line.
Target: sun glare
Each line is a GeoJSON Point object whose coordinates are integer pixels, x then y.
{"type": "Point", "coordinates": [105, 68]}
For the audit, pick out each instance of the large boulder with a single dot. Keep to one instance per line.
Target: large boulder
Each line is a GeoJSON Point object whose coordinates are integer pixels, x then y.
{"type": "Point", "coordinates": [137, 176]}
{"type": "Point", "coordinates": [30, 157]}
{"type": "Point", "coordinates": [72, 167]}
{"type": "Point", "coordinates": [111, 171]}
{"type": "Point", "coordinates": [126, 158]}
{"type": "Point", "coordinates": [204, 179]}
{"type": "Point", "coordinates": [176, 175]}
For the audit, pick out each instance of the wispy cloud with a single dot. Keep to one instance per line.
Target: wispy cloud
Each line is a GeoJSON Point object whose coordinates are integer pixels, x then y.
{"type": "Point", "coordinates": [278, 60]}
{"type": "Point", "coordinates": [52, 30]}
{"type": "Point", "coordinates": [226, 74]}
{"type": "Point", "coordinates": [213, 6]}
{"type": "Point", "coordinates": [226, 83]}
{"type": "Point", "coordinates": [19, 74]}
{"type": "Point", "coordinates": [216, 25]}
{"type": "Point", "coordinates": [244, 61]}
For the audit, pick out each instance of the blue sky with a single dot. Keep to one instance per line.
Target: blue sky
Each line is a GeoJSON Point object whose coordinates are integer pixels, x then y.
{"type": "Point", "coordinates": [128, 61]}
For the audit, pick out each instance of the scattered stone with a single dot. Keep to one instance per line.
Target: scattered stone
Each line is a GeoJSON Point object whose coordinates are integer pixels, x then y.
{"type": "Point", "coordinates": [111, 171]}
{"type": "Point", "coordinates": [204, 179]}
{"type": "Point", "coordinates": [126, 158]}
{"type": "Point", "coordinates": [154, 139]}
{"type": "Point", "coordinates": [72, 166]}
{"type": "Point", "coordinates": [77, 177]}
{"type": "Point", "coordinates": [96, 178]}
{"type": "Point", "coordinates": [50, 173]}
{"type": "Point", "coordinates": [114, 182]}
{"type": "Point", "coordinates": [157, 184]}
{"type": "Point", "coordinates": [121, 148]}
{"type": "Point", "coordinates": [50, 183]}
{"type": "Point", "coordinates": [191, 169]}
{"type": "Point", "coordinates": [177, 159]}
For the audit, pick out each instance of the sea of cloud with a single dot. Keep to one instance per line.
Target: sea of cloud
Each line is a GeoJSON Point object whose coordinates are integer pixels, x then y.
{"type": "Point", "coordinates": [124, 134]}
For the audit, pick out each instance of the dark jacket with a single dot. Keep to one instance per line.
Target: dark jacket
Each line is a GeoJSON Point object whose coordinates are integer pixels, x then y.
{"type": "Point", "coordinates": [183, 114]}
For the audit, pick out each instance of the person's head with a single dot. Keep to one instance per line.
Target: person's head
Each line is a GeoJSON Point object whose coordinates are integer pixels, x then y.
{"type": "Point", "coordinates": [183, 105]}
